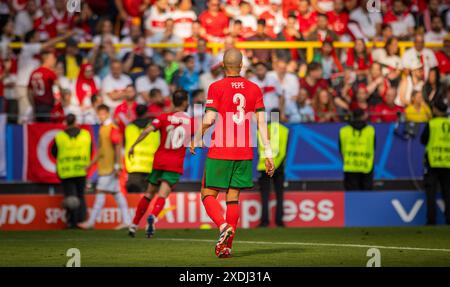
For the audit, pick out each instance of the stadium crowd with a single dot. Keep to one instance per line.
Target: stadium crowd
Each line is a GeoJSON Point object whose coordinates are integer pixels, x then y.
{"type": "Point", "coordinates": [39, 82]}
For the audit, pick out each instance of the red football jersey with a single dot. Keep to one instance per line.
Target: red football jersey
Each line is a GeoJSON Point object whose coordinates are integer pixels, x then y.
{"type": "Point", "coordinates": [175, 129]}
{"type": "Point", "coordinates": [235, 99]}
{"type": "Point", "coordinates": [41, 84]}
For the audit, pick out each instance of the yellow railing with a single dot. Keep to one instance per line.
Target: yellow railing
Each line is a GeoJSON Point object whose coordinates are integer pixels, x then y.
{"type": "Point", "coordinates": [216, 47]}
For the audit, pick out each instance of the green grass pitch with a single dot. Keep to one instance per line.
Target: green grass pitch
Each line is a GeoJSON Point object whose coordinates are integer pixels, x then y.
{"type": "Point", "coordinates": [406, 246]}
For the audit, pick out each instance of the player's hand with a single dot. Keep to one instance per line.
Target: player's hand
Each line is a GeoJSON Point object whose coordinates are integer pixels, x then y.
{"type": "Point", "coordinates": [192, 147]}
{"type": "Point", "coordinates": [194, 144]}
{"type": "Point", "coordinates": [270, 166]}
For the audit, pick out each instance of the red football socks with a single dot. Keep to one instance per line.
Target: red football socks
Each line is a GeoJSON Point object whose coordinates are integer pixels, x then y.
{"type": "Point", "coordinates": [159, 205]}
{"type": "Point", "coordinates": [232, 215]}
{"type": "Point", "coordinates": [214, 210]}
{"type": "Point", "coordinates": [141, 209]}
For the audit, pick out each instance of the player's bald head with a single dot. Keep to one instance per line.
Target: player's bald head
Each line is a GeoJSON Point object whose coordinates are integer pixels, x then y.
{"type": "Point", "coordinates": [232, 58]}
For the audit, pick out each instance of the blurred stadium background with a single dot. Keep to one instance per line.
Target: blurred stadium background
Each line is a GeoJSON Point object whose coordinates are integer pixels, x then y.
{"type": "Point", "coordinates": [316, 61]}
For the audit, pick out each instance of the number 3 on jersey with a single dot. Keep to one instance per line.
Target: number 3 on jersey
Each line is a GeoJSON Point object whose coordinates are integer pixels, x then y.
{"type": "Point", "coordinates": [239, 99]}
{"type": "Point", "coordinates": [175, 137]}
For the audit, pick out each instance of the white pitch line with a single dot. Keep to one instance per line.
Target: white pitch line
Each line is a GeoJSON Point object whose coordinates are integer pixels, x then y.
{"type": "Point", "coordinates": [314, 244]}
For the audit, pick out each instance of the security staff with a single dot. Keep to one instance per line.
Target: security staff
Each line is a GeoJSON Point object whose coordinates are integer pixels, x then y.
{"type": "Point", "coordinates": [436, 138]}
{"type": "Point", "coordinates": [140, 165]}
{"type": "Point", "coordinates": [279, 135]}
{"type": "Point", "coordinates": [357, 146]}
{"type": "Point", "coordinates": [72, 150]}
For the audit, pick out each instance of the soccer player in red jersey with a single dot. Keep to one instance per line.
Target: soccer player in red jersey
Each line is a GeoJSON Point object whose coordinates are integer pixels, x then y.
{"type": "Point", "coordinates": [231, 104]}
{"type": "Point", "coordinates": [175, 129]}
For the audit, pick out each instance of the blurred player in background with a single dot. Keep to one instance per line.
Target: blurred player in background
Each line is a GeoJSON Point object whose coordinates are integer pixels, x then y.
{"type": "Point", "coordinates": [232, 101]}
{"type": "Point", "coordinates": [109, 167]}
{"type": "Point", "coordinates": [175, 129]}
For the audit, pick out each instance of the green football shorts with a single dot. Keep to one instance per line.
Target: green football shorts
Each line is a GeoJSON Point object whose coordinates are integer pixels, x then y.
{"type": "Point", "coordinates": [156, 176]}
{"type": "Point", "coordinates": [225, 174]}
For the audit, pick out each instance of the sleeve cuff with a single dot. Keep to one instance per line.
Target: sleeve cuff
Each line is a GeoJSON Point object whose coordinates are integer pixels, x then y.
{"type": "Point", "coordinates": [260, 110]}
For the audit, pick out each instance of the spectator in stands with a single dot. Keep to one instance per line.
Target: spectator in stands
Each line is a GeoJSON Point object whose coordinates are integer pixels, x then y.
{"type": "Point", "coordinates": [86, 86]}
{"type": "Point", "coordinates": [417, 111]}
{"type": "Point", "coordinates": [270, 87]}
{"type": "Point", "coordinates": [125, 113]}
{"type": "Point", "coordinates": [377, 85]}
{"type": "Point", "coordinates": [215, 74]}
{"type": "Point", "coordinates": [8, 78]}
{"type": "Point", "coordinates": [145, 83]}
{"type": "Point", "coordinates": [158, 104]}
{"type": "Point", "coordinates": [390, 61]}
{"type": "Point", "coordinates": [202, 57]}
{"type": "Point", "coordinates": [136, 61]}
{"type": "Point", "coordinates": [386, 33]}
{"type": "Point", "coordinates": [45, 25]}
{"type": "Point", "coordinates": [132, 39]}
{"type": "Point", "coordinates": [323, 105]}
{"type": "Point", "coordinates": [65, 106]}
{"type": "Point", "coordinates": [314, 80]}
{"type": "Point", "coordinates": [290, 33]}
{"type": "Point", "coordinates": [307, 18]}
{"type": "Point", "coordinates": [41, 84]}
{"type": "Point", "coordinates": [274, 18]}
{"type": "Point", "coordinates": [214, 22]}
{"type": "Point", "coordinates": [387, 111]}
{"type": "Point", "coordinates": [171, 67]}
{"type": "Point", "coordinates": [101, 57]}
{"type": "Point", "coordinates": [127, 9]}
{"type": "Point", "coordinates": [236, 31]}
{"type": "Point", "coordinates": [189, 77]}
{"type": "Point", "coordinates": [366, 25]}
{"type": "Point", "coordinates": [302, 112]}
{"type": "Point", "coordinates": [71, 59]}
{"type": "Point", "coordinates": [85, 23]}
{"type": "Point", "coordinates": [260, 55]}
{"type": "Point", "coordinates": [156, 17]}
{"type": "Point", "coordinates": [196, 36]}
{"type": "Point", "coordinates": [437, 33]}
{"type": "Point", "coordinates": [419, 53]}
{"type": "Point", "coordinates": [328, 59]}
{"type": "Point", "coordinates": [89, 114]}
{"type": "Point", "coordinates": [183, 17]}
{"type": "Point", "coordinates": [232, 8]}
{"type": "Point", "coordinates": [361, 100]}
{"type": "Point", "coordinates": [249, 23]}
{"type": "Point", "coordinates": [359, 58]}
{"type": "Point", "coordinates": [400, 19]}
{"type": "Point", "coordinates": [105, 31]}
{"type": "Point", "coordinates": [288, 82]}
{"type": "Point", "coordinates": [443, 59]}
{"type": "Point", "coordinates": [345, 93]}
{"type": "Point", "coordinates": [412, 82]}
{"type": "Point", "coordinates": [338, 19]}
{"type": "Point", "coordinates": [24, 20]}
{"type": "Point", "coordinates": [322, 32]}
{"type": "Point", "coordinates": [433, 90]}
{"type": "Point", "coordinates": [114, 85]}
{"type": "Point", "coordinates": [432, 10]}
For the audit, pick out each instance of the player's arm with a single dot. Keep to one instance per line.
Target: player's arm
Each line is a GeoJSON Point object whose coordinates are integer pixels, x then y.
{"type": "Point", "coordinates": [262, 127]}
{"type": "Point", "coordinates": [208, 121]}
{"type": "Point", "coordinates": [141, 137]}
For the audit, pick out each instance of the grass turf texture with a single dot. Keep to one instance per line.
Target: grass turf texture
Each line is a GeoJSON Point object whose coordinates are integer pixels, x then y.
{"type": "Point", "coordinates": [115, 248]}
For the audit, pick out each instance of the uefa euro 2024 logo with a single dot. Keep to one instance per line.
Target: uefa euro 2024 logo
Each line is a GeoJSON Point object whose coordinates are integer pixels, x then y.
{"type": "Point", "coordinates": [74, 6]}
